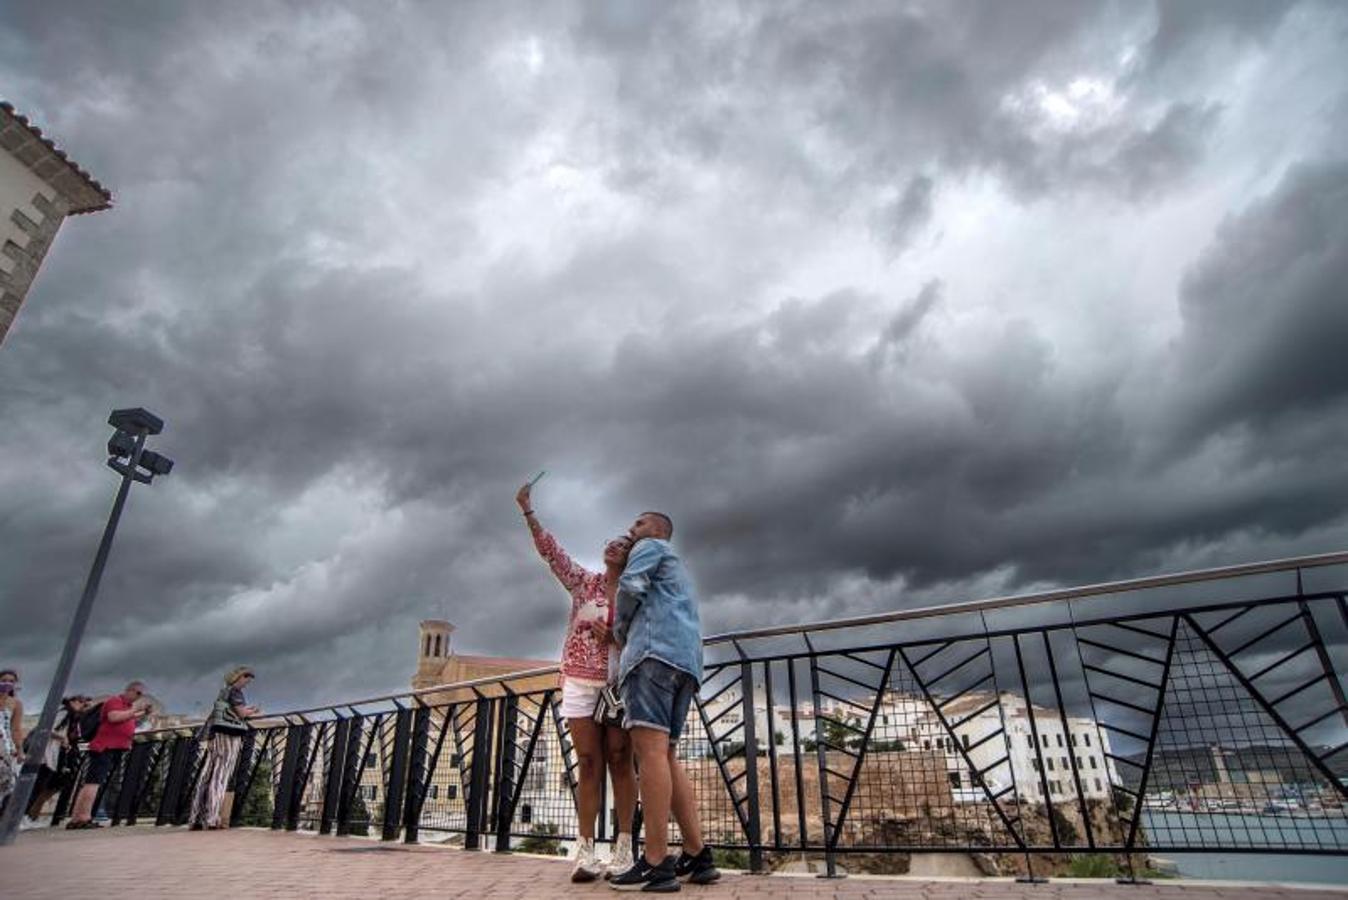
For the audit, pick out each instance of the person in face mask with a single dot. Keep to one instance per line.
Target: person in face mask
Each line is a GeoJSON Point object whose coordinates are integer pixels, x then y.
{"type": "Point", "coordinates": [11, 733]}
{"type": "Point", "coordinates": [223, 734]}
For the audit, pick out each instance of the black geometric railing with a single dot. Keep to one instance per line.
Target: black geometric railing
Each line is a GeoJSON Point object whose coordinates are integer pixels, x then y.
{"type": "Point", "coordinates": [1203, 711]}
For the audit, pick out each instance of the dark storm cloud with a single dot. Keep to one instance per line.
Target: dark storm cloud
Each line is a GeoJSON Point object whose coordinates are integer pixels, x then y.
{"type": "Point", "coordinates": [1265, 311]}
{"type": "Point", "coordinates": [848, 100]}
{"type": "Point", "coordinates": [305, 275]}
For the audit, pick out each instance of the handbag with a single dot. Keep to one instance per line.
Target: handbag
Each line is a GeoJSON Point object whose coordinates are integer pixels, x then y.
{"type": "Point", "coordinates": [222, 719]}
{"type": "Point", "coordinates": [609, 709]}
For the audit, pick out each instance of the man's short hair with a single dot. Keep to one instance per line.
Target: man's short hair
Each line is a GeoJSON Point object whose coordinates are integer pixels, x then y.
{"type": "Point", "coordinates": [134, 684]}
{"type": "Point", "coordinates": [669, 523]}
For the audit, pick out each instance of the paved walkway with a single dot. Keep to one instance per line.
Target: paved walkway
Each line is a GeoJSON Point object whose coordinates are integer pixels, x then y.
{"type": "Point", "coordinates": [145, 863]}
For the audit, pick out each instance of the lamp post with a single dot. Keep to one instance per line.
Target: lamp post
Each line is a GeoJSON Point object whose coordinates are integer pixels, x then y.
{"type": "Point", "coordinates": [128, 457]}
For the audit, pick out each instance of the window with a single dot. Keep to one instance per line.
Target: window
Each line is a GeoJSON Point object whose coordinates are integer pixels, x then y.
{"type": "Point", "coordinates": [1062, 760]}
{"type": "Point", "coordinates": [1092, 759]}
{"type": "Point", "coordinates": [1059, 737]}
{"type": "Point", "coordinates": [1044, 738]}
{"type": "Point", "coordinates": [369, 791]}
{"type": "Point", "coordinates": [884, 720]}
{"type": "Point", "coordinates": [1074, 740]}
{"type": "Point", "coordinates": [1080, 763]}
{"type": "Point", "coordinates": [965, 739]}
{"type": "Point", "coordinates": [427, 650]}
{"type": "Point", "coordinates": [1037, 767]}
{"type": "Point", "coordinates": [1029, 741]}
{"type": "Point", "coordinates": [452, 791]}
{"type": "Point", "coordinates": [1087, 739]}
{"type": "Point", "coordinates": [954, 779]}
{"type": "Point", "coordinates": [453, 759]}
{"type": "Point", "coordinates": [433, 792]}
{"type": "Point", "coordinates": [526, 814]}
{"type": "Point", "coordinates": [370, 760]}
{"type": "Point", "coordinates": [1049, 760]}
{"type": "Point", "coordinates": [1098, 786]}
{"type": "Point", "coordinates": [926, 745]}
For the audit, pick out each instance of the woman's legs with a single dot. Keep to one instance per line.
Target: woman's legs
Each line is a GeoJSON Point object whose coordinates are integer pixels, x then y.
{"type": "Point", "coordinates": [618, 752]}
{"type": "Point", "coordinates": [587, 738]}
{"type": "Point", "coordinates": [222, 754]}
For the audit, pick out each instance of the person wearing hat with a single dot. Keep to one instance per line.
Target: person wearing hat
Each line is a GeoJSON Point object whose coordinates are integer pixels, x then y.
{"type": "Point", "coordinates": [222, 734]}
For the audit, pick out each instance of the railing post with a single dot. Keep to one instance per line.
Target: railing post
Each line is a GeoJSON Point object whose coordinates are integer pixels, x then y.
{"type": "Point", "coordinates": [137, 763]}
{"type": "Point", "coordinates": [335, 763]}
{"type": "Point", "coordinates": [397, 776]}
{"type": "Point", "coordinates": [181, 757]}
{"type": "Point", "coordinates": [299, 775]}
{"type": "Point", "coordinates": [350, 776]}
{"type": "Point", "coordinates": [241, 781]}
{"type": "Point", "coordinates": [770, 719]}
{"type": "Point", "coordinates": [417, 768]}
{"type": "Point", "coordinates": [290, 763]}
{"type": "Point", "coordinates": [755, 834]}
{"type": "Point", "coordinates": [247, 772]}
{"type": "Point", "coordinates": [821, 756]}
{"type": "Point", "coordinates": [505, 770]}
{"type": "Point", "coordinates": [479, 773]}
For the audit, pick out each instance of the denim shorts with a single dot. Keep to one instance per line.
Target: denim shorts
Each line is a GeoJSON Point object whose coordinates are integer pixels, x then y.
{"type": "Point", "coordinates": [658, 696]}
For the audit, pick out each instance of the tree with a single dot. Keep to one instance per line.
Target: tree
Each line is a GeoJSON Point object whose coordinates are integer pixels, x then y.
{"type": "Point", "coordinates": [257, 805]}
{"type": "Point", "coordinates": [360, 815]}
{"type": "Point", "coordinates": [839, 734]}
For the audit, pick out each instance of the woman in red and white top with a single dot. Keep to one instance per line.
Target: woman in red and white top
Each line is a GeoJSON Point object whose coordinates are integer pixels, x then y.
{"type": "Point", "coordinates": [589, 660]}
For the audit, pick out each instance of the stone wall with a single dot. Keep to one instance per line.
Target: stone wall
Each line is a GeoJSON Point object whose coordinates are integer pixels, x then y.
{"type": "Point", "coordinates": [901, 799]}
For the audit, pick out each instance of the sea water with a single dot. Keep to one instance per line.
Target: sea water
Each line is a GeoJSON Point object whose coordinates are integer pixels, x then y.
{"type": "Point", "coordinates": [1172, 828]}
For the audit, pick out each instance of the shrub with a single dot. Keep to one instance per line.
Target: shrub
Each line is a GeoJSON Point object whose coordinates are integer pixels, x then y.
{"type": "Point", "coordinates": [1093, 865]}
{"type": "Point", "coordinates": [542, 840]}
{"type": "Point", "coordinates": [730, 859]}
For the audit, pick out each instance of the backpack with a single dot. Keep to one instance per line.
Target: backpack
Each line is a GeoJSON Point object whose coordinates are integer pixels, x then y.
{"type": "Point", "coordinates": [89, 721]}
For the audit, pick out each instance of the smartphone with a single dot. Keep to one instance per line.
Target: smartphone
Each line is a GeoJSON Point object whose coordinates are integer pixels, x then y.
{"type": "Point", "coordinates": [536, 478]}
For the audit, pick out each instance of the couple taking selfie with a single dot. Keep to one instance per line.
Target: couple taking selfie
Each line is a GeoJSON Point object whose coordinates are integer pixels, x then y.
{"type": "Point", "coordinates": [631, 665]}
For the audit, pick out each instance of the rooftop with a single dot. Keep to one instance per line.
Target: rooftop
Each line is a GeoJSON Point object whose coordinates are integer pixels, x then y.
{"type": "Point", "coordinates": [26, 142]}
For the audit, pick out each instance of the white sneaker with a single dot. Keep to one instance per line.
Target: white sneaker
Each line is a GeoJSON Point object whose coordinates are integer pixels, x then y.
{"type": "Point", "coordinates": [621, 860]}
{"type": "Point", "coordinates": [587, 867]}
{"type": "Point", "coordinates": [28, 824]}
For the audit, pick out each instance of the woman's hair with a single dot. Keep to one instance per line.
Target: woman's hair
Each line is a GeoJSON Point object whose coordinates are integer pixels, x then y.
{"type": "Point", "coordinates": [14, 672]}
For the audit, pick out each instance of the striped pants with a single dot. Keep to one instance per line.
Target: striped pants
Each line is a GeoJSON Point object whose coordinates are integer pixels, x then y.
{"type": "Point", "coordinates": [222, 754]}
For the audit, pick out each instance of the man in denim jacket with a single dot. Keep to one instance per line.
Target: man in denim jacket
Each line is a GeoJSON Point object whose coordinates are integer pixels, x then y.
{"type": "Point", "coordinates": [656, 623]}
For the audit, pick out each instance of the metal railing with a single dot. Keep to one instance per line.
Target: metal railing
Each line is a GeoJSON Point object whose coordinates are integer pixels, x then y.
{"type": "Point", "coordinates": [1203, 711]}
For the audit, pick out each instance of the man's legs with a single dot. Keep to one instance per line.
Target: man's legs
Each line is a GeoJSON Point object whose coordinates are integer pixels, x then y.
{"type": "Point", "coordinates": [684, 805]}
{"type": "Point", "coordinates": [651, 748]}
{"type": "Point", "coordinates": [84, 804]}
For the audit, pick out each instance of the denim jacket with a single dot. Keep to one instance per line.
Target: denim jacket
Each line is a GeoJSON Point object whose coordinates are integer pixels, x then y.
{"type": "Point", "coordinates": [656, 611]}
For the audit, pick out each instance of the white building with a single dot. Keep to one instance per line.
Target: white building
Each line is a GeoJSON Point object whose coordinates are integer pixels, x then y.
{"type": "Point", "coordinates": [39, 187]}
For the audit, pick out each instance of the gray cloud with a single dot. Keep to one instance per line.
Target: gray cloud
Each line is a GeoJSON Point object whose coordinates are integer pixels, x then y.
{"type": "Point", "coordinates": [652, 249]}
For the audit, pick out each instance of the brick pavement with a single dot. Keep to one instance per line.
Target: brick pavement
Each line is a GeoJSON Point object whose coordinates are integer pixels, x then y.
{"type": "Point", "coordinates": [146, 863]}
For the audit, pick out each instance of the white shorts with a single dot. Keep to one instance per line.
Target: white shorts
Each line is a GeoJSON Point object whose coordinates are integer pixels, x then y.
{"type": "Point", "coordinates": [579, 699]}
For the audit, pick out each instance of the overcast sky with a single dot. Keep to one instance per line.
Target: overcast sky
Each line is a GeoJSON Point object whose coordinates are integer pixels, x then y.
{"type": "Point", "coordinates": [886, 304]}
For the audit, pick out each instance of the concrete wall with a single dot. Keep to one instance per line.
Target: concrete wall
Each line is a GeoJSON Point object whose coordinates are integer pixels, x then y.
{"type": "Point", "coordinates": [31, 212]}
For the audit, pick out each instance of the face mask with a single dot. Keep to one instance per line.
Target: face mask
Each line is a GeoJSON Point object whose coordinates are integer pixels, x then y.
{"type": "Point", "coordinates": [7, 687]}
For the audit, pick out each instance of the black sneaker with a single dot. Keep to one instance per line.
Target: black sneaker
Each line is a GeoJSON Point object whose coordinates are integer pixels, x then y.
{"type": "Point", "coordinates": [645, 877]}
{"type": "Point", "coordinates": [697, 869]}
